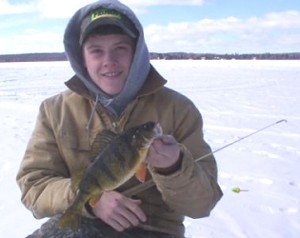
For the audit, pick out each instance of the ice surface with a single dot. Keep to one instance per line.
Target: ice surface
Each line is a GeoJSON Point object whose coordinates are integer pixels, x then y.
{"type": "Point", "coordinates": [235, 99]}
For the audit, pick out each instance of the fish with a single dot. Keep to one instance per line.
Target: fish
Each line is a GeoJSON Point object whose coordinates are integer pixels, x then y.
{"type": "Point", "coordinates": [121, 157]}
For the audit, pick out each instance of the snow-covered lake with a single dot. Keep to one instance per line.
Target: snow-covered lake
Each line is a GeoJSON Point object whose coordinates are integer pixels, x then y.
{"type": "Point", "coordinates": [235, 98]}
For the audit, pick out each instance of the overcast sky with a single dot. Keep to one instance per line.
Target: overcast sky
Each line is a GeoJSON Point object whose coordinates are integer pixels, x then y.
{"type": "Point", "coordinates": [201, 26]}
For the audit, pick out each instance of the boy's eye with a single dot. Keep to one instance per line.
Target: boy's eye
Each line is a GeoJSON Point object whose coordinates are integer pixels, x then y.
{"type": "Point", "coordinates": [96, 51]}
{"type": "Point", "coordinates": [120, 49]}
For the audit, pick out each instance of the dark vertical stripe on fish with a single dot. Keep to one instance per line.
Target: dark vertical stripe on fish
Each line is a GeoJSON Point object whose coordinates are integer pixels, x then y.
{"type": "Point", "coordinates": [106, 170]}
{"type": "Point", "coordinates": [121, 154]}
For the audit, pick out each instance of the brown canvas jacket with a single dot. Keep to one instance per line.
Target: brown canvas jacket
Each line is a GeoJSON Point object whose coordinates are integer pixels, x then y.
{"type": "Point", "coordinates": [61, 144]}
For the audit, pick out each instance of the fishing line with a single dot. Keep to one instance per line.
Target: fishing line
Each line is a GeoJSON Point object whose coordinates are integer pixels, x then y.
{"type": "Point", "coordinates": [149, 183]}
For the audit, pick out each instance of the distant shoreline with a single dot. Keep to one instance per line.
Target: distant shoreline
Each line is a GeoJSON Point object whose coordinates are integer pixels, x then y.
{"type": "Point", "coordinates": [60, 56]}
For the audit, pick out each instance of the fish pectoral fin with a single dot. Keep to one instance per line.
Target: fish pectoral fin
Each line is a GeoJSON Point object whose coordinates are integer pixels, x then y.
{"type": "Point", "coordinates": [141, 172]}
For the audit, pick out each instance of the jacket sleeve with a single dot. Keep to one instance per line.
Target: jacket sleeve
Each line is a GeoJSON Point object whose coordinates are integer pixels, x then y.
{"type": "Point", "coordinates": [43, 176]}
{"type": "Point", "coordinates": [192, 190]}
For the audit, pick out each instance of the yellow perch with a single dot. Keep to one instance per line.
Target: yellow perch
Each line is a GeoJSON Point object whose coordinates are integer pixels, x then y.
{"type": "Point", "coordinates": [121, 158]}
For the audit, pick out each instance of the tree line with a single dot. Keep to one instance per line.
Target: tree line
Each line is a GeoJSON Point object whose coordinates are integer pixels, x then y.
{"type": "Point", "coordinates": [200, 56]}
{"type": "Point", "coordinates": [35, 57]}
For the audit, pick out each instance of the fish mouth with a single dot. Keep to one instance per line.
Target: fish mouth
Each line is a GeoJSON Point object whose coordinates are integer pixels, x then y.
{"type": "Point", "coordinates": [156, 132]}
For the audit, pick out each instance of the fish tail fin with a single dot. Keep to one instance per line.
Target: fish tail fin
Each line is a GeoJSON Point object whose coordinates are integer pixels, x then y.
{"type": "Point", "coordinates": [70, 219]}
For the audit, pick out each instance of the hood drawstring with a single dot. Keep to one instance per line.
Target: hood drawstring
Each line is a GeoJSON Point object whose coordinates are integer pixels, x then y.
{"type": "Point", "coordinates": [105, 102]}
{"type": "Point", "coordinates": [92, 113]}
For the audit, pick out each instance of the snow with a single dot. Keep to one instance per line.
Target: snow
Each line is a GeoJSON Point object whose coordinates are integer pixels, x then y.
{"type": "Point", "coordinates": [235, 98]}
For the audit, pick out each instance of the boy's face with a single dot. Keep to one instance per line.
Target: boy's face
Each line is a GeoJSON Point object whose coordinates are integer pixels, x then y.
{"type": "Point", "coordinates": [108, 59]}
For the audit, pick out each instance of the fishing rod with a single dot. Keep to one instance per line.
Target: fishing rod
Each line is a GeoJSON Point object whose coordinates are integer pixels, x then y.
{"type": "Point", "coordinates": [149, 183]}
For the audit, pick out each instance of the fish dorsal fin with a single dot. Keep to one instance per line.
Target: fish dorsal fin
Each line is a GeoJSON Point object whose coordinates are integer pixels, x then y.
{"type": "Point", "coordinates": [101, 140]}
{"type": "Point", "coordinates": [104, 138]}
